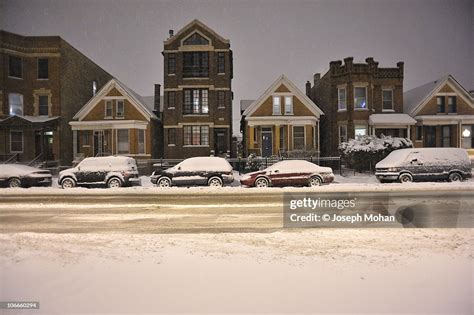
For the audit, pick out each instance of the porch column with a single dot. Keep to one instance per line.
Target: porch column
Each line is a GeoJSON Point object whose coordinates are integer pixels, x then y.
{"type": "Point", "coordinates": [251, 136]}
{"type": "Point", "coordinates": [74, 144]}
{"type": "Point", "coordinates": [408, 132]}
{"type": "Point", "coordinates": [277, 138]}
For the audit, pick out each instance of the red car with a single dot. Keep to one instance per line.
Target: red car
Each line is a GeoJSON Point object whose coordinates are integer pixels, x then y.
{"type": "Point", "coordinates": [289, 173]}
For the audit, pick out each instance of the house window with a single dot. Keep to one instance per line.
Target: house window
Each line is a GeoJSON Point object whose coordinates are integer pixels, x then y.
{"type": "Point", "coordinates": [288, 105]}
{"type": "Point", "coordinates": [341, 103]}
{"type": "Point", "coordinates": [419, 133]}
{"type": "Point", "coordinates": [196, 101]}
{"type": "Point", "coordinates": [171, 63]}
{"type": "Point", "coordinates": [15, 67]}
{"type": "Point", "coordinates": [282, 138]}
{"type": "Point", "coordinates": [109, 109]}
{"type": "Point", "coordinates": [171, 136]}
{"type": "Point", "coordinates": [94, 87]}
{"type": "Point", "coordinates": [196, 64]}
{"type": "Point", "coordinates": [360, 131]}
{"type": "Point", "coordinates": [221, 99]}
{"type": "Point", "coordinates": [387, 99]}
{"type": "Point", "coordinates": [446, 131]}
{"type": "Point", "coordinates": [16, 141]}
{"type": "Point", "coordinates": [15, 104]}
{"type": "Point", "coordinates": [43, 68]}
{"type": "Point", "coordinates": [220, 62]}
{"type": "Point", "coordinates": [123, 145]}
{"type": "Point", "coordinates": [276, 105]}
{"type": "Point", "coordinates": [141, 141]}
{"type": "Point", "coordinates": [467, 136]}
{"type": "Point", "coordinates": [85, 138]}
{"type": "Point", "coordinates": [196, 135]}
{"type": "Point", "coordinates": [120, 108]}
{"type": "Point", "coordinates": [298, 137]}
{"type": "Point", "coordinates": [360, 98]}
{"type": "Point", "coordinates": [171, 99]}
{"type": "Point", "coordinates": [196, 39]}
{"type": "Point", "coordinates": [342, 133]}
{"type": "Point", "coordinates": [452, 104]}
{"type": "Point", "coordinates": [440, 102]}
{"type": "Point", "coordinates": [43, 105]}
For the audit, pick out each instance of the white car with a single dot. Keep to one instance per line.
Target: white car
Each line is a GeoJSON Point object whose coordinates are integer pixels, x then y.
{"type": "Point", "coordinates": [18, 175]}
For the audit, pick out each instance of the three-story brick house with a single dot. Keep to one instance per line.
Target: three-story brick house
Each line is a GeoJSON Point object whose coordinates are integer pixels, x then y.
{"type": "Point", "coordinates": [197, 111]}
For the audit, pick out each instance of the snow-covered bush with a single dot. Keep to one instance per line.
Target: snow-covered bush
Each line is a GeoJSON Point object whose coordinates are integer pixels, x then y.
{"type": "Point", "coordinates": [253, 163]}
{"type": "Point", "coordinates": [366, 151]}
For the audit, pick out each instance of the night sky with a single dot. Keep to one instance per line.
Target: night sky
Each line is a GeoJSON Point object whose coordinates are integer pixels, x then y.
{"type": "Point", "coordinates": [269, 38]}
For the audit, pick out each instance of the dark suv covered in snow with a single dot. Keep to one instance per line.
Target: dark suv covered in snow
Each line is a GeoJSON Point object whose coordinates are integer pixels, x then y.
{"type": "Point", "coordinates": [112, 171]}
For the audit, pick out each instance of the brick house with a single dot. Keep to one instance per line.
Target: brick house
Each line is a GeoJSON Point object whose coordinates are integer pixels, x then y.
{"type": "Point", "coordinates": [282, 121]}
{"type": "Point", "coordinates": [43, 83]}
{"type": "Point", "coordinates": [359, 99]}
{"type": "Point", "coordinates": [117, 121]}
{"type": "Point", "coordinates": [444, 114]}
{"type": "Point", "coordinates": [197, 111]}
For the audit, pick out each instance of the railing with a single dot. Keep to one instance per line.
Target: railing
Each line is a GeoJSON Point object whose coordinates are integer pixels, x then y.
{"type": "Point", "coordinates": [12, 158]}
{"type": "Point", "coordinates": [35, 160]}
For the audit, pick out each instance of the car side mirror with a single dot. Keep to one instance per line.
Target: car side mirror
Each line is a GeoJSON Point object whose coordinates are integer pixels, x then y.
{"type": "Point", "coordinates": [179, 168]}
{"type": "Point", "coordinates": [276, 171]}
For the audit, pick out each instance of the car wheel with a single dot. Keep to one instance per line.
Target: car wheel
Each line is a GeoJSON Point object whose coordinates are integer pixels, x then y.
{"type": "Point", "coordinates": [214, 182]}
{"type": "Point", "coordinates": [14, 182]}
{"type": "Point", "coordinates": [315, 181]}
{"type": "Point", "coordinates": [68, 183]}
{"type": "Point", "coordinates": [455, 177]}
{"type": "Point", "coordinates": [405, 178]}
{"type": "Point", "coordinates": [164, 182]}
{"type": "Point", "coordinates": [261, 182]}
{"type": "Point", "coordinates": [114, 182]}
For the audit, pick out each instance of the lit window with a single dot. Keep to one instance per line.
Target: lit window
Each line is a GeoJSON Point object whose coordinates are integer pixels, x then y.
{"type": "Point", "coordinates": [360, 98]}
{"type": "Point", "coordinates": [196, 135]}
{"type": "Point", "coordinates": [196, 101]}
{"type": "Point", "coordinates": [360, 131]}
{"type": "Point", "coordinates": [387, 100]}
{"type": "Point", "coordinates": [342, 133]}
{"type": "Point", "coordinates": [276, 105]}
{"type": "Point", "coordinates": [341, 104]}
{"type": "Point", "coordinates": [288, 105]}
{"type": "Point", "coordinates": [467, 136]}
{"type": "Point", "coordinates": [15, 104]}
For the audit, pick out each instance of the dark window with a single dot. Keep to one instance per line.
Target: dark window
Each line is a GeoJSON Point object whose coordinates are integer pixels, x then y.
{"type": "Point", "coordinates": [16, 141]}
{"type": "Point", "coordinates": [171, 99]}
{"type": "Point", "coordinates": [298, 137]}
{"type": "Point", "coordinates": [85, 138]}
{"type": "Point", "coordinates": [196, 64]}
{"type": "Point", "coordinates": [221, 99]}
{"type": "Point", "coordinates": [15, 67]}
{"type": "Point", "coordinates": [440, 102]}
{"type": "Point", "coordinates": [172, 136]}
{"type": "Point", "coordinates": [446, 136]}
{"type": "Point", "coordinates": [43, 106]}
{"type": "Point", "coordinates": [43, 68]}
{"type": "Point", "coordinates": [171, 63]}
{"type": "Point", "coordinates": [196, 135]}
{"type": "Point", "coordinates": [196, 39]}
{"type": "Point", "coordinates": [452, 104]}
{"type": "Point", "coordinates": [109, 109]}
{"type": "Point", "coordinates": [220, 62]}
{"type": "Point", "coordinates": [196, 101]}
{"type": "Point", "coordinates": [419, 133]}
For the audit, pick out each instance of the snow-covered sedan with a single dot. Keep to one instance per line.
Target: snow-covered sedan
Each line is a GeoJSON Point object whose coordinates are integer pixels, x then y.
{"type": "Point", "coordinates": [203, 170]}
{"type": "Point", "coordinates": [18, 175]}
{"type": "Point", "coordinates": [289, 173]}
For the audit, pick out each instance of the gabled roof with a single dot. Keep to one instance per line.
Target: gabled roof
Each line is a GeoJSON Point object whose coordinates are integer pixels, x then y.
{"type": "Point", "coordinates": [244, 104]}
{"type": "Point", "coordinates": [415, 99]}
{"type": "Point", "coordinates": [132, 96]}
{"type": "Point", "coordinates": [292, 88]}
{"type": "Point", "coordinates": [191, 25]}
{"type": "Point", "coordinates": [30, 120]}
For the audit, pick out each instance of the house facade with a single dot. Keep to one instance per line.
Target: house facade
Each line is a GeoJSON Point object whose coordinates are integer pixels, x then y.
{"type": "Point", "coordinates": [359, 99]}
{"type": "Point", "coordinates": [444, 114]}
{"type": "Point", "coordinates": [117, 121]}
{"type": "Point", "coordinates": [43, 82]}
{"type": "Point", "coordinates": [197, 109]}
{"type": "Point", "coordinates": [283, 121]}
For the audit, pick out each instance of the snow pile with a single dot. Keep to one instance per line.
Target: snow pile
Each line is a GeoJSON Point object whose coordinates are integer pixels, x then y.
{"type": "Point", "coordinates": [366, 151]}
{"type": "Point", "coordinates": [204, 163]}
{"type": "Point", "coordinates": [16, 170]}
{"type": "Point", "coordinates": [298, 166]}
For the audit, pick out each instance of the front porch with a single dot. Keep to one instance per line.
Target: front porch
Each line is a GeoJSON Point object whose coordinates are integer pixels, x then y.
{"type": "Point", "coordinates": [394, 125]}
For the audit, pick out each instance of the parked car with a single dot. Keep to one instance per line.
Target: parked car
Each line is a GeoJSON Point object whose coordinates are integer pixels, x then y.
{"type": "Point", "coordinates": [18, 175]}
{"type": "Point", "coordinates": [424, 164]}
{"type": "Point", "coordinates": [112, 171]}
{"type": "Point", "coordinates": [289, 173]}
{"type": "Point", "coordinates": [204, 170]}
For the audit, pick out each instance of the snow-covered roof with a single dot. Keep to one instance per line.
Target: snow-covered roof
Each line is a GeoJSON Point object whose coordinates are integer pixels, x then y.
{"type": "Point", "coordinates": [415, 98]}
{"type": "Point", "coordinates": [32, 119]}
{"type": "Point", "coordinates": [244, 104]}
{"type": "Point", "coordinates": [391, 119]}
{"type": "Point", "coordinates": [192, 24]}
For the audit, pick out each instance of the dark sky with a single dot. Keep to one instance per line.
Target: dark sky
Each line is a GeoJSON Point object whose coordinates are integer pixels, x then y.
{"type": "Point", "coordinates": [269, 38]}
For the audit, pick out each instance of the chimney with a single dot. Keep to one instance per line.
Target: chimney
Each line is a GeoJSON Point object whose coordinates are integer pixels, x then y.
{"type": "Point", "coordinates": [171, 32]}
{"type": "Point", "coordinates": [316, 78]}
{"type": "Point", "coordinates": [369, 60]}
{"type": "Point", "coordinates": [401, 66]}
{"type": "Point", "coordinates": [308, 88]}
{"type": "Point", "coordinates": [157, 97]}
{"type": "Point", "coordinates": [348, 61]}
{"type": "Point", "coordinates": [333, 65]}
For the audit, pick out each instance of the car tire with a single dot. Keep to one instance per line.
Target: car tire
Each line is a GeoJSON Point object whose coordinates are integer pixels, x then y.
{"type": "Point", "coordinates": [455, 177]}
{"type": "Point", "coordinates": [114, 182]}
{"type": "Point", "coordinates": [214, 181]}
{"type": "Point", "coordinates": [14, 182]}
{"type": "Point", "coordinates": [315, 181]}
{"type": "Point", "coordinates": [68, 182]}
{"type": "Point", "coordinates": [163, 182]}
{"type": "Point", "coordinates": [405, 178]}
{"type": "Point", "coordinates": [261, 182]}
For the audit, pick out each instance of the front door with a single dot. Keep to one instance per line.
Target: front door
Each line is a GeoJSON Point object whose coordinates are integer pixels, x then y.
{"type": "Point", "coordinates": [220, 143]}
{"type": "Point", "coordinates": [98, 143]}
{"type": "Point", "coordinates": [430, 136]}
{"type": "Point", "coordinates": [267, 142]}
